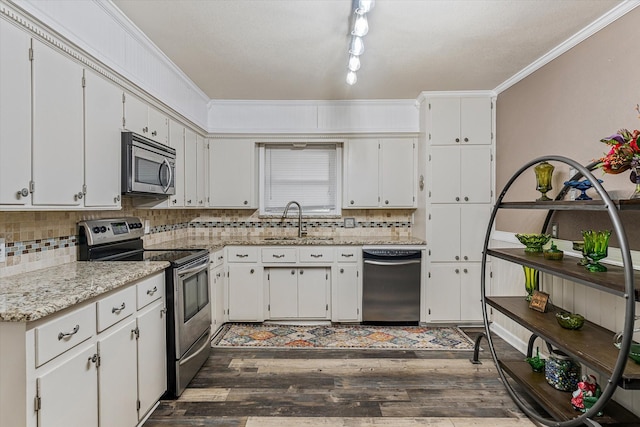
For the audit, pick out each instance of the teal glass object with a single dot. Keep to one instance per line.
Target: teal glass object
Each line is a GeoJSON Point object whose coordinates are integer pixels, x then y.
{"type": "Point", "coordinates": [530, 281]}
{"type": "Point", "coordinates": [596, 247]}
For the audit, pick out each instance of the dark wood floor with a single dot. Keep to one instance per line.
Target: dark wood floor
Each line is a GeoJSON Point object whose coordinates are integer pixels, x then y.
{"type": "Point", "coordinates": [302, 387]}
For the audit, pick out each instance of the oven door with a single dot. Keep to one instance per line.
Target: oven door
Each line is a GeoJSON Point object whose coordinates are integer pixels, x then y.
{"type": "Point", "coordinates": [192, 303]}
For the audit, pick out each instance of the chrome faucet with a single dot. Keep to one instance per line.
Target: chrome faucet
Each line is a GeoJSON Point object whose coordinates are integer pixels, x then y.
{"type": "Point", "coordinates": [301, 232]}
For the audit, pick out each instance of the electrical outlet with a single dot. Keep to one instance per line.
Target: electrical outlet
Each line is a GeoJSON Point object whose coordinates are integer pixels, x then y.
{"type": "Point", "coordinates": [349, 222]}
{"type": "Point", "coordinates": [147, 226]}
{"type": "Point", "coordinates": [3, 255]}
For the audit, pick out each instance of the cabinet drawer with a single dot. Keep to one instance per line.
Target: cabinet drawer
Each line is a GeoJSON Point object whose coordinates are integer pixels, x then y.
{"type": "Point", "coordinates": [116, 307]}
{"type": "Point", "coordinates": [348, 253]}
{"type": "Point", "coordinates": [242, 254]}
{"type": "Point", "coordinates": [217, 258]}
{"type": "Point", "coordinates": [316, 254]}
{"type": "Point", "coordinates": [59, 335]}
{"type": "Point", "coordinates": [149, 290]}
{"type": "Point", "coordinates": [278, 255]}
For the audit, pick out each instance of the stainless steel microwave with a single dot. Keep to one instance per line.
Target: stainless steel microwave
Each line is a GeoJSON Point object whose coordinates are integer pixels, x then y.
{"type": "Point", "coordinates": [148, 167]}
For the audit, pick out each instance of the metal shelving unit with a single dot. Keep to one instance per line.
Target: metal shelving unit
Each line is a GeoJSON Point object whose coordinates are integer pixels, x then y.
{"type": "Point", "coordinates": [591, 345]}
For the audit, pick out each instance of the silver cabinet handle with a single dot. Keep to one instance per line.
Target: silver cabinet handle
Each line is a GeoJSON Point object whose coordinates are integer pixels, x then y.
{"type": "Point", "coordinates": [392, 263]}
{"type": "Point", "coordinates": [118, 309]}
{"type": "Point", "coordinates": [242, 255]}
{"type": "Point", "coordinates": [346, 255]}
{"type": "Point", "coordinates": [278, 256]}
{"type": "Point", "coordinates": [316, 255]}
{"type": "Point", "coordinates": [62, 335]}
{"type": "Point", "coordinates": [152, 291]}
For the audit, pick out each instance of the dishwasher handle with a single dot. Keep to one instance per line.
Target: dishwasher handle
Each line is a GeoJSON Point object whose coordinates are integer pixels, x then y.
{"type": "Point", "coordinates": [392, 263]}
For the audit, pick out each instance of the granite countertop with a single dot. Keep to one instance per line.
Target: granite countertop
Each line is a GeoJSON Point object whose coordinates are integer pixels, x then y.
{"type": "Point", "coordinates": [31, 296]}
{"type": "Point", "coordinates": [214, 244]}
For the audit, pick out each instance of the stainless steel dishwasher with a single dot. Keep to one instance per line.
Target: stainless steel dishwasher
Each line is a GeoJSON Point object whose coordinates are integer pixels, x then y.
{"type": "Point", "coordinates": [391, 286]}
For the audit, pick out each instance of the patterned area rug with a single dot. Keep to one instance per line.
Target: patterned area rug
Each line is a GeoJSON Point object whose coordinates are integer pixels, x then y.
{"type": "Point", "coordinates": [339, 336]}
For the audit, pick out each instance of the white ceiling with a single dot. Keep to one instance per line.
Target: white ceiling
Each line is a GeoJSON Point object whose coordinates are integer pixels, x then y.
{"type": "Point", "coordinates": [297, 49]}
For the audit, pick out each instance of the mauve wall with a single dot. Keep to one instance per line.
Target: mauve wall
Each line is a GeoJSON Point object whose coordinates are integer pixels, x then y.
{"type": "Point", "coordinates": [565, 108]}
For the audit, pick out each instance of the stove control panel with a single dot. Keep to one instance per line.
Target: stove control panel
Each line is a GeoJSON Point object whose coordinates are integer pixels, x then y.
{"type": "Point", "coordinates": [111, 230]}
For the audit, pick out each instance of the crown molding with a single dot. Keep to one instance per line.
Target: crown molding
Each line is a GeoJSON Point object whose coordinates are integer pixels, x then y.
{"type": "Point", "coordinates": [617, 12]}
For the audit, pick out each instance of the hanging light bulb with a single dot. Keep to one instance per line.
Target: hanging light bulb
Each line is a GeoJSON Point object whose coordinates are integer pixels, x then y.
{"type": "Point", "coordinates": [366, 5]}
{"type": "Point", "coordinates": [357, 46]}
{"type": "Point", "coordinates": [361, 26]}
{"type": "Point", "coordinates": [351, 78]}
{"type": "Point", "coordinates": [354, 63]}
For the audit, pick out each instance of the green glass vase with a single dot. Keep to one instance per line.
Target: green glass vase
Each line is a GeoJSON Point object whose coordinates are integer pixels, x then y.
{"type": "Point", "coordinates": [544, 172]}
{"type": "Point", "coordinates": [596, 245]}
{"type": "Point", "coordinates": [530, 281]}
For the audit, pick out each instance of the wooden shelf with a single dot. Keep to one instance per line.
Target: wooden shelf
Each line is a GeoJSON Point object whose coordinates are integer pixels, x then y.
{"type": "Point", "coordinates": [571, 205]}
{"type": "Point", "coordinates": [611, 281]}
{"type": "Point", "coordinates": [591, 344]}
{"type": "Point", "coordinates": [558, 403]}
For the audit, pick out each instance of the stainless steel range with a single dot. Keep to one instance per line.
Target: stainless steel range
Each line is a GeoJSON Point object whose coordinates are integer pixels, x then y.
{"type": "Point", "coordinates": [187, 290]}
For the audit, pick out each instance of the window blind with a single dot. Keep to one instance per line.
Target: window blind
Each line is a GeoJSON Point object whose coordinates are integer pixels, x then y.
{"type": "Point", "coordinates": [308, 175]}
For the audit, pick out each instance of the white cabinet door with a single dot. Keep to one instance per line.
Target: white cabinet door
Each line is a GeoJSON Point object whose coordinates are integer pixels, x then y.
{"type": "Point", "coordinates": [475, 174]}
{"type": "Point", "coordinates": [102, 129]}
{"type": "Point", "coordinates": [476, 123]}
{"type": "Point", "coordinates": [473, 228]}
{"type": "Point", "coordinates": [443, 292]}
{"type": "Point", "coordinates": [397, 172]}
{"type": "Point", "coordinates": [313, 293]}
{"type": "Point", "coordinates": [57, 128]}
{"type": "Point", "coordinates": [152, 360]}
{"type": "Point", "coordinates": [202, 157]}
{"type": "Point", "coordinates": [283, 293]}
{"type": "Point", "coordinates": [117, 379]}
{"type": "Point", "coordinates": [361, 174]}
{"type": "Point", "coordinates": [232, 177]}
{"type": "Point", "coordinates": [443, 238]}
{"type": "Point", "coordinates": [176, 141]}
{"type": "Point", "coordinates": [158, 126]}
{"type": "Point", "coordinates": [444, 174]}
{"type": "Point", "coordinates": [470, 295]}
{"type": "Point", "coordinates": [244, 284]}
{"type": "Point", "coordinates": [445, 121]}
{"type": "Point", "coordinates": [15, 115]}
{"type": "Point", "coordinates": [69, 393]}
{"type": "Point", "coordinates": [190, 169]}
{"type": "Point", "coordinates": [346, 307]}
{"type": "Point", "coordinates": [217, 295]}
{"type": "Point", "coordinates": [136, 115]}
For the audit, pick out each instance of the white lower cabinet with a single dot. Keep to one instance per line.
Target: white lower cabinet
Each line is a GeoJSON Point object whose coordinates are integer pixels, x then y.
{"type": "Point", "coordinates": [117, 379]}
{"type": "Point", "coordinates": [298, 293]}
{"type": "Point", "coordinates": [152, 361]}
{"type": "Point", "coordinates": [453, 292]}
{"type": "Point", "coordinates": [67, 393]}
{"type": "Point", "coordinates": [245, 293]}
{"type": "Point", "coordinates": [217, 282]}
{"type": "Point", "coordinates": [346, 307]}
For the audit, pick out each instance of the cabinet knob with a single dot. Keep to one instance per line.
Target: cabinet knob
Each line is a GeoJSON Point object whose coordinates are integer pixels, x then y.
{"type": "Point", "coordinates": [246, 202]}
{"type": "Point", "coordinates": [457, 199]}
{"type": "Point", "coordinates": [351, 202]}
{"type": "Point", "coordinates": [342, 270]}
{"type": "Point", "coordinates": [466, 199]}
{"type": "Point", "coordinates": [189, 201]}
{"type": "Point", "coordinates": [457, 271]}
{"type": "Point", "coordinates": [154, 133]}
{"type": "Point", "coordinates": [386, 202]}
{"type": "Point", "coordinates": [293, 272]}
{"type": "Point", "coordinates": [457, 258]}
{"type": "Point", "coordinates": [117, 198]}
{"type": "Point", "coordinates": [79, 196]}
{"type": "Point", "coordinates": [464, 271]}
{"type": "Point", "coordinates": [174, 201]}
{"type": "Point", "coordinates": [251, 271]}
{"type": "Point", "coordinates": [24, 192]}
{"type": "Point", "coordinates": [145, 129]}
{"type": "Point", "coordinates": [301, 272]}
{"type": "Point", "coordinates": [466, 140]}
{"type": "Point", "coordinates": [466, 258]}
{"type": "Point", "coordinates": [457, 139]}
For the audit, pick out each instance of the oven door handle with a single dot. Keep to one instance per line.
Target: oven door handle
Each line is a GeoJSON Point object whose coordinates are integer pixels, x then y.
{"type": "Point", "coordinates": [206, 343]}
{"type": "Point", "coordinates": [201, 266]}
{"type": "Point", "coordinates": [413, 261]}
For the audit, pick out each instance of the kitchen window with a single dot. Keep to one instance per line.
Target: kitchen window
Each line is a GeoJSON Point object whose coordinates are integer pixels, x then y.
{"type": "Point", "coordinates": [308, 173]}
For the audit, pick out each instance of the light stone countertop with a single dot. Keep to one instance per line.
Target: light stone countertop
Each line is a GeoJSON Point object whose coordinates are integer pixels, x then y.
{"type": "Point", "coordinates": [31, 296]}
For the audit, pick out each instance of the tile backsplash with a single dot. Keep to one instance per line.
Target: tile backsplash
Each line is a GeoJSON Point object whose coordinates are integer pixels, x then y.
{"type": "Point", "coordinates": [42, 239]}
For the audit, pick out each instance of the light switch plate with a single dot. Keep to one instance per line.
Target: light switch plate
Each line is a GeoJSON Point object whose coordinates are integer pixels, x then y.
{"type": "Point", "coordinates": [147, 226]}
{"type": "Point", "coordinates": [3, 255]}
{"type": "Point", "coordinates": [349, 222]}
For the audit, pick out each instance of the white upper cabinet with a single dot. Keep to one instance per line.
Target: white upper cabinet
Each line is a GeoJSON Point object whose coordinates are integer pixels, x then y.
{"type": "Point", "coordinates": [190, 172]}
{"type": "Point", "coordinates": [380, 173]}
{"type": "Point", "coordinates": [57, 128]}
{"type": "Point", "coordinates": [145, 120]}
{"type": "Point", "coordinates": [460, 174]}
{"type": "Point", "coordinates": [15, 115]}
{"type": "Point", "coordinates": [202, 172]}
{"type": "Point", "coordinates": [232, 177]}
{"type": "Point", "coordinates": [176, 141]}
{"type": "Point", "coordinates": [102, 158]}
{"type": "Point", "coordinates": [455, 120]}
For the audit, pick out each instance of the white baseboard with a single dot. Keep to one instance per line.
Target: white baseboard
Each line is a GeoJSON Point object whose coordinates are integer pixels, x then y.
{"type": "Point", "coordinates": [511, 339]}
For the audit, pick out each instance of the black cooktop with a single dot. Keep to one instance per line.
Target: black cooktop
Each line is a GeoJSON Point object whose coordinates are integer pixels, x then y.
{"type": "Point", "coordinates": [174, 256]}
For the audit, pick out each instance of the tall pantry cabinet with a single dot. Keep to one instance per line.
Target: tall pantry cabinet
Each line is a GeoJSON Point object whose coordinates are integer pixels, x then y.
{"type": "Point", "coordinates": [460, 145]}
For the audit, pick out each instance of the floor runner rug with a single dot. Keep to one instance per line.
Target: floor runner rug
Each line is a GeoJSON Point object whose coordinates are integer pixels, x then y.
{"type": "Point", "coordinates": [343, 337]}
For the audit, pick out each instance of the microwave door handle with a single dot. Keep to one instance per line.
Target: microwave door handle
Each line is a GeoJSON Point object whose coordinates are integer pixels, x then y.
{"type": "Point", "coordinates": [165, 189]}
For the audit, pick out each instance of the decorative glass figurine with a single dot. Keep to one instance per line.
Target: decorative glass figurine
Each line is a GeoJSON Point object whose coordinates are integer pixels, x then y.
{"type": "Point", "coordinates": [596, 245]}
{"type": "Point", "coordinates": [543, 171]}
{"type": "Point", "coordinates": [583, 186]}
{"type": "Point", "coordinates": [530, 281]}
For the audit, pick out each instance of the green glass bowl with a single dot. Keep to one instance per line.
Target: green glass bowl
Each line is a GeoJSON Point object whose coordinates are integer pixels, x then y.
{"type": "Point", "coordinates": [634, 350]}
{"type": "Point", "coordinates": [533, 242]}
{"type": "Point", "coordinates": [569, 321]}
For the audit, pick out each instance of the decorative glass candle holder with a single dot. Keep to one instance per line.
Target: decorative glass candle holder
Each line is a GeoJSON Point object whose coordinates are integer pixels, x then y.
{"type": "Point", "coordinates": [544, 172]}
{"type": "Point", "coordinates": [530, 281]}
{"type": "Point", "coordinates": [596, 245]}
{"type": "Point", "coordinates": [578, 245]}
